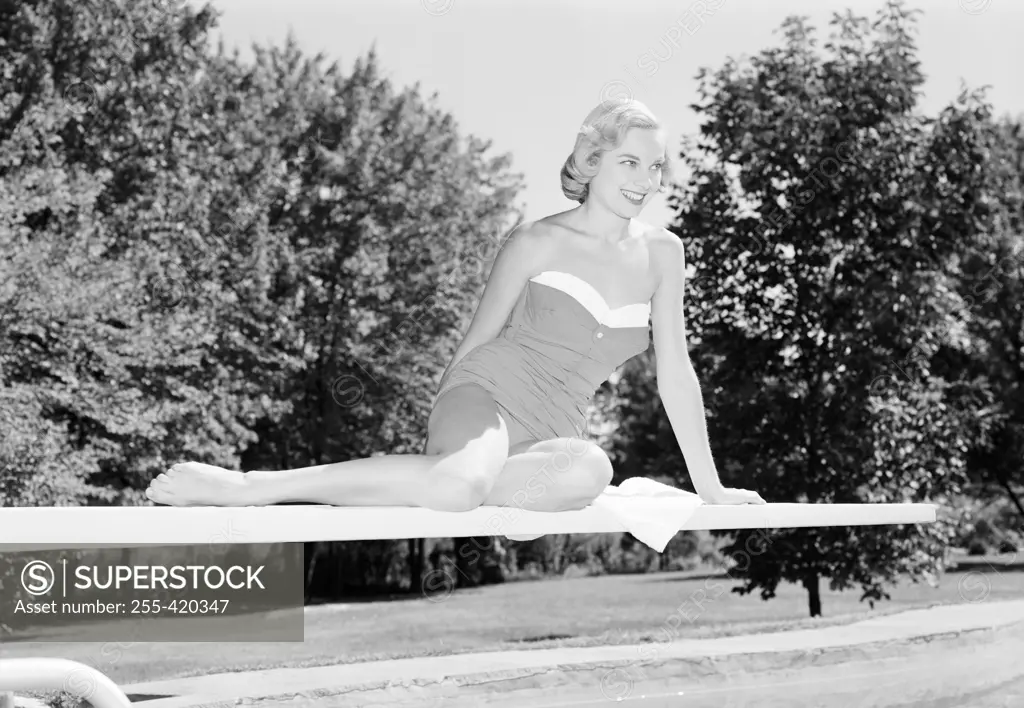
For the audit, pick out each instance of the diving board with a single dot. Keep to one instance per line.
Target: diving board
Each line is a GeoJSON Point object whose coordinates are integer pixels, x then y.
{"type": "Point", "coordinates": [38, 528]}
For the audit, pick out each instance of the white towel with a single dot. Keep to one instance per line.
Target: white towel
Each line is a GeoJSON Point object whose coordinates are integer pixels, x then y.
{"type": "Point", "coordinates": [653, 525]}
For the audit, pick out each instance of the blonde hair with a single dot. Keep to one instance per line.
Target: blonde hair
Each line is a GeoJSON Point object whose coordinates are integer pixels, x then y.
{"type": "Point", "coordinates": [604, 129]}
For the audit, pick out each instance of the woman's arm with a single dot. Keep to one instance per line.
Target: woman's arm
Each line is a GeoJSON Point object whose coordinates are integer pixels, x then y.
{"type": "Point", "coordinates": [519, 258]}
{"type": "Point", "coordinates": [677, 381]}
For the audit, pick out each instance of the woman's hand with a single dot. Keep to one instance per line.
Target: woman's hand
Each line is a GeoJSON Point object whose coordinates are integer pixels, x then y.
{"type": "Point", "coordinates": [729, 495]}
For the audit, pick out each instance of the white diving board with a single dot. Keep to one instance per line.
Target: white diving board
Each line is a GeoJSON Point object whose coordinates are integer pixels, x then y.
{"type": "Point", "coordinates": [38, 528]}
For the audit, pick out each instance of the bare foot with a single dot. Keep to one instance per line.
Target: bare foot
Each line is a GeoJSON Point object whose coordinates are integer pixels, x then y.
{"type": "Point", "coordinates": [198, 484]}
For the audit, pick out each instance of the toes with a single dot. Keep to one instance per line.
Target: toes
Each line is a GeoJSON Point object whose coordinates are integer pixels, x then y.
{"type": "Point", "coordinates": [160, 490]}
{"type": "Point", "coordinates": [159, 496]}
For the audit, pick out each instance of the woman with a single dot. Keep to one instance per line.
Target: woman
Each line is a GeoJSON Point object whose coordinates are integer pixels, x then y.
{"type": "Point", "coordinates": [567, 302]}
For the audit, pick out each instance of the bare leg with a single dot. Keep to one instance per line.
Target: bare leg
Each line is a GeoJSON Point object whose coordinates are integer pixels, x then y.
{"type": "Point", "coordinates": [387, 480]}
{"type": "Point", "coordinates": [472, 450]}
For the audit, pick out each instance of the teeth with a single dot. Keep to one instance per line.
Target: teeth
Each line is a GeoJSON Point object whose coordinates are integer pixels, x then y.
{"type": "Point", "coordinates": [635, 196]}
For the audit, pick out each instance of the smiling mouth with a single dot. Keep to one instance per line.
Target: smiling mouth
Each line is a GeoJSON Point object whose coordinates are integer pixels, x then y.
{"type": "Point", "coordinates": [633, 197]}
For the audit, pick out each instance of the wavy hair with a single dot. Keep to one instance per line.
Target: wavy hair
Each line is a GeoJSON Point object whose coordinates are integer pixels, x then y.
{"type": "Point", "coordinates": [604, 129]}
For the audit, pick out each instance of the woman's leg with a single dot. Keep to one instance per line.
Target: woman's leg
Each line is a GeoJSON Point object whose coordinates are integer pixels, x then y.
{"type": "Point", "coordinates": [552, 475]}
{"type": "Point", "coordinates": [467, 448]}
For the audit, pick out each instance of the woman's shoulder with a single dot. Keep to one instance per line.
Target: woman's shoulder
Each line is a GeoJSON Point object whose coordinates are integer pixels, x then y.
{"type": "Point", "coordinates": [529, 245]}
{"type": "Point", "coordinates": [655, 234]}
{"type": "Point", "coordinates": [530, 235]}
{"type": "Point", "coordinates": [667, 254]}
{"type": "Point", "coordinates": [540, 238]}
{"type": "Point", "coordinates": [552, 224]}
{"type": "Point", "coordinates": [662, 243]}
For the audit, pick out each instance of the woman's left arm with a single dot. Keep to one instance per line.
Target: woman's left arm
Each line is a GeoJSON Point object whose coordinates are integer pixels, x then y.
{"type": "Point", "coordinates": [677, 381]}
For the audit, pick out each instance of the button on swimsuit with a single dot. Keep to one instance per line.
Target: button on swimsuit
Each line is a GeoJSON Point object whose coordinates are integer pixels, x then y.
{"type": "Point", "coordinates": [560, 343]}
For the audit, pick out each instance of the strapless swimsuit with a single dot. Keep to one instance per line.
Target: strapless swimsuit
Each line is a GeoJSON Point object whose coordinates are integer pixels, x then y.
{"type": "Point", "coordinates": [560, 343]}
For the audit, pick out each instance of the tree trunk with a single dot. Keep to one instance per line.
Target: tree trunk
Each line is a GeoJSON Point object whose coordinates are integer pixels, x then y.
{"type": "Point", "coordinates": [476, 562]}
{"type": "Point", "coordinates": [1009, 491]}
{"type": "Point", "coordinates": [813, 594]}
{"type": "Point", "coordinates": [492, 571]}
{"type": "Point", "coordinates": [468, 554]}
{"type": "Point", "coordinates": [310, 555]}
{"type": "Point", "coordinates": [416, 548]}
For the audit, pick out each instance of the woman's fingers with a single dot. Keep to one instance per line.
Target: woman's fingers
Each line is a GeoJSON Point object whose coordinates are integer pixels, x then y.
{"type": "Point", "coordinates": [737, 496]}
{"type": "Point", "coordinates": [747, 496]}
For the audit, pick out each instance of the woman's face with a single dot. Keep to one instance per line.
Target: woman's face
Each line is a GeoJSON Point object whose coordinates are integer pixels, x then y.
{"type": "Point", "coordinates": [630, 175]}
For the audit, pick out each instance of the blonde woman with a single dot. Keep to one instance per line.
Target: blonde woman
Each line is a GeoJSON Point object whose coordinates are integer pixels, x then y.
{"type": "Point", "coordinates": [569, 300]}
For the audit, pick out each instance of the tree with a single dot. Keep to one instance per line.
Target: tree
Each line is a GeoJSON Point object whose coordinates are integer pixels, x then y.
{"type": "Point", "coordinates": [994, 285]}
{"type": "Point", "coordinates": [256, 266]}
{"type": "Point", "coordinates": [78, 142]}
{"type": "Point", "coordinates": [828, 222]}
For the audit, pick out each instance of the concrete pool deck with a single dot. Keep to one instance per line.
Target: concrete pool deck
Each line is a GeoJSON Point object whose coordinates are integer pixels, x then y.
{"type": "Point", "coordinates": [634, 672]}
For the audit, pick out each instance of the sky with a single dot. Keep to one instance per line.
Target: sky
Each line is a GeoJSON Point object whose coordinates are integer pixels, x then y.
{"type": "Point", "coordinates": [525, 73]}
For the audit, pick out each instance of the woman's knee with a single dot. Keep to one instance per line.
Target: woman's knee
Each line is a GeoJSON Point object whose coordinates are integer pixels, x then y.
{"type": "Point", "coordinates": [597, 466]}
{"type": "Point", "coordinates": [461, 480]}
{"type": "Point", "coordinates": [458, 488]}
{"type": "Point", "coordinates": [583, 461]}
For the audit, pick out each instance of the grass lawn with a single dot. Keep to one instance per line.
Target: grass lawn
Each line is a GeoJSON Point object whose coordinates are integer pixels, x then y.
{"type": "Point", "coordinates": [524, 615]}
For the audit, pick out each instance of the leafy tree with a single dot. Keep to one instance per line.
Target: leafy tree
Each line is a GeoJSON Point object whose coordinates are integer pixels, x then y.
{"type": "Point", "coordinates": [828, 223]}
{"type": "Point", "coordinates": [77, 143]}
{"type": "Point", "coordinates": [994, 286]}
{"type": "Point", "coordinates": [258, 265]}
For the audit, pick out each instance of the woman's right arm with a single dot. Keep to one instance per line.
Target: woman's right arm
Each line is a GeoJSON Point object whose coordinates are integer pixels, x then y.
{"type": "Point", "coordinates": [520, 258]}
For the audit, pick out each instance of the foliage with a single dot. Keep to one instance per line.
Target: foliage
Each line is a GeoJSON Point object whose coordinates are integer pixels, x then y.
{"type": "Point", "coordinates": [834, 230]}
{"type": "Point", "coordinates": [255, 265]}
